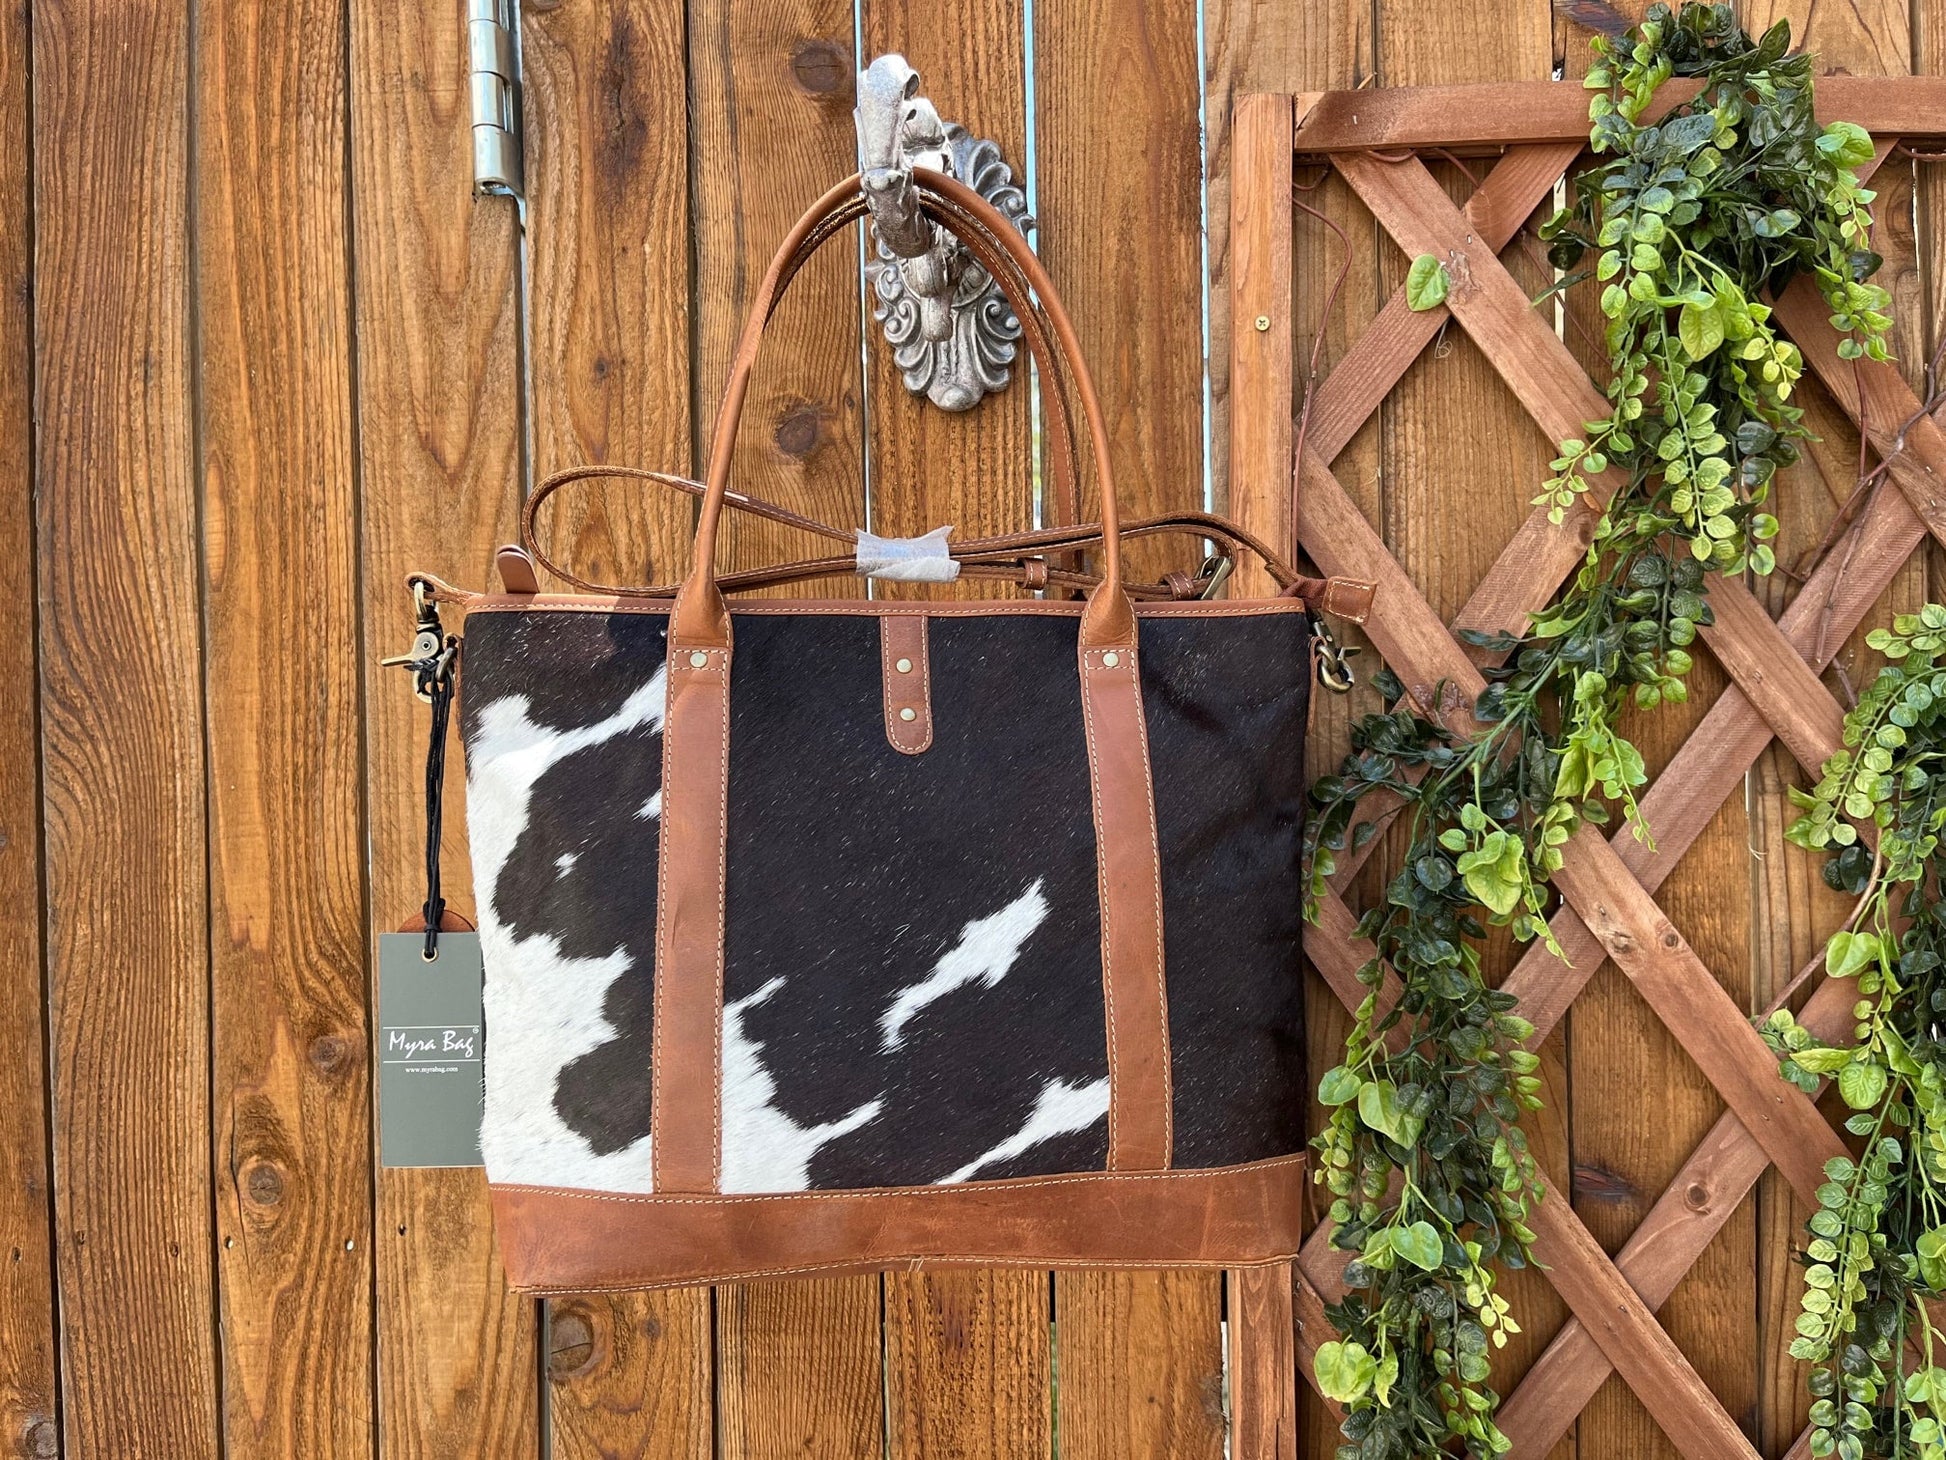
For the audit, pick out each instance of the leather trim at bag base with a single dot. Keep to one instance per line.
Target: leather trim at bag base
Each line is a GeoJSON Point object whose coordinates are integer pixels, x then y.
{"type": "Point", "coordinates": [564, 1241]}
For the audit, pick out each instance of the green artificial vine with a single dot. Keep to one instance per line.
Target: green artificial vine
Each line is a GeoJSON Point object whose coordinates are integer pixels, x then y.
{"type": "Point", "coordinates": [1692, 220]}
{"type": "Point", "coordinates": [1877, 1251]}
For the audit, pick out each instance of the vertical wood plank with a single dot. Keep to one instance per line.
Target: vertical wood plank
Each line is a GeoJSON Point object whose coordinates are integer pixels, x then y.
{"type": "Point", "coordinates": [1258, 265]}
{"type": "Point", "coordinates": [609, 310]}
{"type": "Point", "coordinates": [1119, 186]}
{"type": "Point", "coordinates": [1792, 911]}
{"type": "Point", "coordinates": [122, 730]}
{"type": "Point", "coordinates": [798, 1369]}
{"type": "Point", "coordinates": [28, 1316]}
{"type": "Point", "coordinates": [1460, 461]}
{"type": "Point", "coordinates": [1626, 1152]}
{"type": "Point", "coordinates": [1139, 1365]}
{"type": "Point", "coordinates": [975, 72]}
{"type": "Point", "coordinates": [1263, 1363]}
{"type": "Point", "coordinates": [1258, 398]}
{"type": "Point", "coordinates": [437, 323]}
{"type": "Point", "coordinates": [966, 1352]}
{"type": "Point", "coordinates": [771, 91]}
{"type": "Point", "coordinates": [629, 1376]}
{"type": "Point", "coordinates": [608, 244]}
{"type": "Point", "coordinates": [291, 1133]}
{"type": "Point", "coordinates": [1270, 46]}
{"type": "Point", "coordinates": [968, 1365]}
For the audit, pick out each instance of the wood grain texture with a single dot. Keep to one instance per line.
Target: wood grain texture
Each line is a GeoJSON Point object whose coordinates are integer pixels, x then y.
{"type": "Point", "coordinates": [798, 1369]}
{"type": "Point", "coordinates": [975, 70]}
{"type": "Point", "coordinates": [28, 1318]}
{"type": "Point", "coordinates": [292, 1131]}
{"type": "Point", "coordinates": [630, 1377]}
{"type": "Point", "coordinates": [1121, 226]}
{"type": "Point", "coordinates": [1259, 380]}
{"type": "Point", "coordinates": [438, 409]}
{"type": "Point", "coordinates": [1259, 47]}
{"type": "Point", "coordinates": [1627, 1152]}
{"type": "Point", "coordinates": [609, 314]}
{"type": "Point", "coordinates": [1792, 910]}
{"type": "Point", "coordinates": [1459, 454]}
{"type": "Point", "coordinates": [608, 283]}
{"type": "Point", "coordinates": [969, 1365]}
{"type": "Point", "coordinates": [1121, 223]}
{"type": "Point", "coordinates": [967, 1358]}
{"type": "Point", "coordinates": [1270, 46]}
{"type": "Point", "coordinates": [122, 731]}
{"type": "Point", "coordinates": [1496, 113]}
{"type": "Point", "coordinates": [1263, 1362]}
{"type": "Point", "coordinates": [1138, 1365]}
{"type": "Point", "coordinates": [771, 87]}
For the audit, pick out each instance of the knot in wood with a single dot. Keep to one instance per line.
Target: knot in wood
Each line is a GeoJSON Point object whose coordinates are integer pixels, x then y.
{"type": "Point", "coordinates": [263, 1183]}
{"type": "Point", "coordinates": [822, 68]}
{"type": "Point", "coordinates": [570, 1343]}
{"type": "Point", "coordinates": [800, 431]}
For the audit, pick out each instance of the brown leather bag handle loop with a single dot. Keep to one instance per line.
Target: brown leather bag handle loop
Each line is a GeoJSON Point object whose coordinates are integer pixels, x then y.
{"type": "Point", "coordinates": [701, 618]}
{"type": "Point", "coordinates": [1057, 419]}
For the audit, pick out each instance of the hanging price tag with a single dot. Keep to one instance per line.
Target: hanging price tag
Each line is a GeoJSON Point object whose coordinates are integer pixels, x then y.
{"type": "Point", "coordinates": [431, 1041]}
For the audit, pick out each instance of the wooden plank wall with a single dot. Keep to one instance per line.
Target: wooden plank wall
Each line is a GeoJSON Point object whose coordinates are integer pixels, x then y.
{"type": "Point", "coordinates": [261, 352]}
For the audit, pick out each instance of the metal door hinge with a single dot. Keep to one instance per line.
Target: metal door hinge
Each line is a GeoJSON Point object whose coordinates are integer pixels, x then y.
{"type": "Point", "coordinates": [494, 74]}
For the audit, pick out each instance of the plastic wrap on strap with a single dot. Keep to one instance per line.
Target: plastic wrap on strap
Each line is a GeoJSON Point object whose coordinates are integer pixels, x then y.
{"type": "Point", "coordinates": [924, 559]}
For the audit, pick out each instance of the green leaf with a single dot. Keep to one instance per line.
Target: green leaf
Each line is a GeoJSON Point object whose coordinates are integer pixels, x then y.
{"type": "Point", "coordinates": [1426, 283]}
{"type": "Point", "coordinates": [1338, 1087]}
{"type": "Point", "coordinates": [1849, 954]}
{"type": "Point", "coordinates": [1419, 1244]}
{"type": "Point", "coordinates": [1700, 327]}
{"type": "Point", "coordinates": [1846, 143]}
{"type": "Point", "coordinates": [1861, 1085]}
{"type": "Point", "coordinates": [1378, 1107]}
{"type": "Point", "coordinates": [1345, 1371]}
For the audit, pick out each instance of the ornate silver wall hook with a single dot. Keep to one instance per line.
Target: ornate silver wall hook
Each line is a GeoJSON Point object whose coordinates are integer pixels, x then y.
{"type": "Point", "coordinates": [952, 332]}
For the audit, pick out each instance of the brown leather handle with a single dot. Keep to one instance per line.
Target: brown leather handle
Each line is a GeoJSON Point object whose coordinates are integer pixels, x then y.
{"type": "Point", "coordinates": [1000, 555]}
{"type": "Point", "coordinates": [701, 618]}
{"type": "Point", "coordinates": [1057, 420]}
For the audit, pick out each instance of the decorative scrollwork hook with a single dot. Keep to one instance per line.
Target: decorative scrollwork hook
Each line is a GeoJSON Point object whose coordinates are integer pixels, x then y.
{"type": "Point", "coordinates": [952, 333]}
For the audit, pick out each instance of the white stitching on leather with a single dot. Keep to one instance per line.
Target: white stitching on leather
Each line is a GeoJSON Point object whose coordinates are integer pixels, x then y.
{"type": "Point", "coordinates": [907, 1264]}
{"type": "Point", "coordinates": [960, 1188]}
{"type": "Point", "coordinates": [1101, 897]}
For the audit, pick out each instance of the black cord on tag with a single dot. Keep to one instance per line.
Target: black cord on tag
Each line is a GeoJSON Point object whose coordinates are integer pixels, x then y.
{"type": "Point", "coordinates": [442, 706]}
{"type": "Point", "coordinates": [431, 659]}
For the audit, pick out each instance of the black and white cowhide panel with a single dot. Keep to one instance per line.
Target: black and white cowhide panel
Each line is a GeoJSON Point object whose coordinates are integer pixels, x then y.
{"type": "Point", "coordinates": [913, 976]}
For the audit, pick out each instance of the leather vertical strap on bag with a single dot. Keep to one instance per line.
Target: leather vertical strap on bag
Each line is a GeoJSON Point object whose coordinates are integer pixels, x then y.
{"type": "Point", "coordinates": [829, 935]}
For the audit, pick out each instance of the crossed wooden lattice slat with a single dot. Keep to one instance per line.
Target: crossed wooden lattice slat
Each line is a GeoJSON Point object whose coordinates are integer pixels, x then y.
{"type": "Point", "coordinates": [1608, 910]}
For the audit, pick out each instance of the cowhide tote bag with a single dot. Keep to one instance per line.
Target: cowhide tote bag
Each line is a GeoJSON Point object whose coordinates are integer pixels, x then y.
{"type": "Point", "coordinates": [827, 935]}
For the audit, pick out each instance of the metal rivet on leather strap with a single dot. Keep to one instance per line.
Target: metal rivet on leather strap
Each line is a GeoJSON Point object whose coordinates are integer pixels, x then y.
{"type": "Point", "coordinates": [904, 666]}
{"type": "Point", "coordinates": [908, 713]}
{"type": "Point", "coordinates": [1111, 659]}
{"type": "Point", "coordinates": [698, 659]}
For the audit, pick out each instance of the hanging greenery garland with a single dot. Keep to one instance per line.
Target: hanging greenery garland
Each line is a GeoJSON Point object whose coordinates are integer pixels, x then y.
{"type": "Point", "coordinates": [1877, 1252]}
{"type": "Point", "coordinates": [1688, 222]}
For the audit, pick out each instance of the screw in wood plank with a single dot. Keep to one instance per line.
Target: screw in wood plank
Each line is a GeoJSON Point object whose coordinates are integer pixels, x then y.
{"type": "Point", "coordinates": [1263, 323]}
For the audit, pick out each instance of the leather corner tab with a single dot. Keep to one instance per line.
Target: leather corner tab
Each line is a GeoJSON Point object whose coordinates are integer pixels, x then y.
{"type": "Point", "coordinates": [907, 672]}
{"type": "Point", "coordinates": [517, 573]}
{"type": "Point", "coordinates": [1349, 599]}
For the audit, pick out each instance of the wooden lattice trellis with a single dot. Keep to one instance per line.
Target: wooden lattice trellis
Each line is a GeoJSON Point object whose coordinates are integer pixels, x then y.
{"type": "Point", "coordinates": [1372, 139]}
